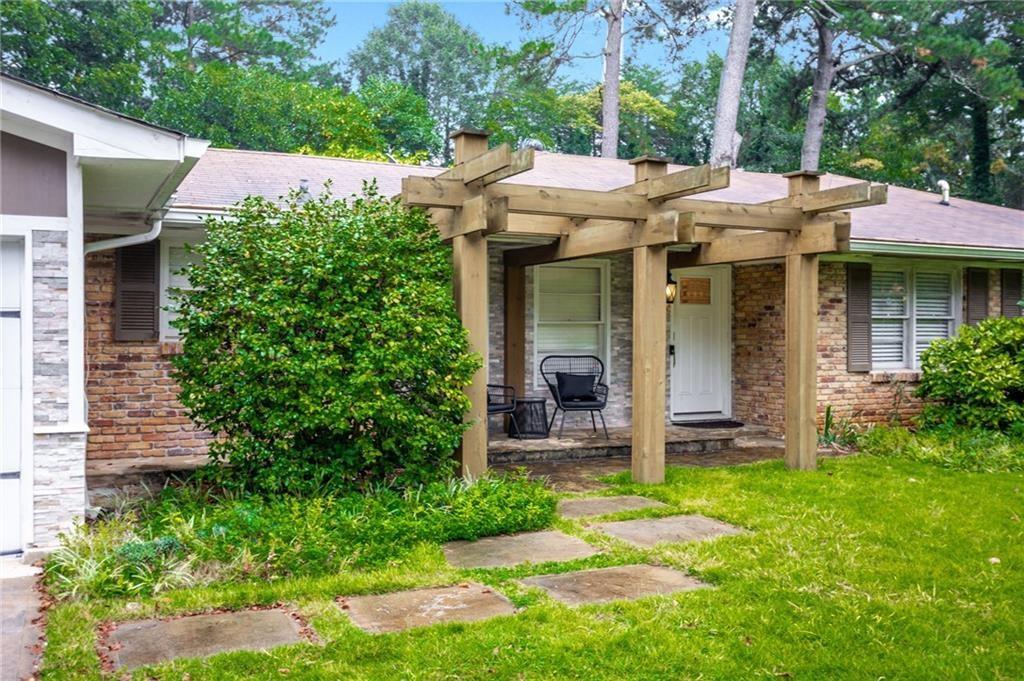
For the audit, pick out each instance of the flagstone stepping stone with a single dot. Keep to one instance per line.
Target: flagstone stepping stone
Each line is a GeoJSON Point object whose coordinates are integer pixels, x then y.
{"type": "Point", "coordinates": [144, 642]}
{"type": "Point", "coordinates": [676, 528]}
{"type": "Point", "coordinates": [578, 508]}
{"type": "Point", "coordinates": [513, 549]}
{"type": "Point", "coordinates": [383, 613]}
{"type": "Point", "coordinates": [615, 583]}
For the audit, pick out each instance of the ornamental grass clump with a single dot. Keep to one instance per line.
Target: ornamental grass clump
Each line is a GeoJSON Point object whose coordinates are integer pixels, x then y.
{"type": "Point", "coordinates": [321, 344]}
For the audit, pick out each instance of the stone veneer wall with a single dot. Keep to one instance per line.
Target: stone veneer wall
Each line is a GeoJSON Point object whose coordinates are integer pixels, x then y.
{"type": "Point", "coordinates": [58, 456]}
{"type": "Point", "coordinates": [133, 406]}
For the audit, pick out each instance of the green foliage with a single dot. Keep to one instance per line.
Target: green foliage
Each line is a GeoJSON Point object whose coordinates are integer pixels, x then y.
{"type": "Point", "coordinates": [95, 50]}
{"type": "Point", "coordinates": [256, 109]}
{"type": "Point", "coordinates": [976, 378]}
{"type": "Point", "coordinates": [427, 49]}
{"type": "Point", "coordinates": [837, 432]}
{"type": "Point", "coordinates": [960, 449]}
{"type": "Point", "coordinates": [188, 535]}
{"type": "Point", "coordinates": [402, 118]}
{"type": "Point", "coordinates": [321, 342]}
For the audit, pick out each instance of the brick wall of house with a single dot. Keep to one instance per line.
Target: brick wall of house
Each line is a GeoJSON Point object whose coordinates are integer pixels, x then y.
{"type": "Point", "coordinates": [133, 407]}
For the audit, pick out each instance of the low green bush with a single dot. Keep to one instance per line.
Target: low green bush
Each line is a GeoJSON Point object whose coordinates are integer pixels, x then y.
{"type": "Point", "coordinates": [976, 378]}
{"type": "Point", "coordinates": [187, 535]}
{"type": "Point", "coordinates": [962, 449]}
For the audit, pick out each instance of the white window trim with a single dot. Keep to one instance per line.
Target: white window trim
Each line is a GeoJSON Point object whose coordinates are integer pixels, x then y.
{"type": "Point", "coordinates": [169, 334]}
{"type": "Point", "coordinates": [911, 268]}
{"type": "Point", "coordinates": [605, 356]}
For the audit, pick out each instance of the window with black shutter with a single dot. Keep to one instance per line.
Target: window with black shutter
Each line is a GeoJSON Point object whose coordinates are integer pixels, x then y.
{"type": "Point", "coordinates": [1011, 293]}
{"type": "Point", "coordinates": [858, 317]}
{"type": "Point", "coordinates": [137, 295]}
{"type": "Point", "coordinates": [977, 295]}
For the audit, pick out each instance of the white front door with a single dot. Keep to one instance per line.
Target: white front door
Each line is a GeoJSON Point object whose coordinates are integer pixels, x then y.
{"type": "Point", "coordinates": [700, 357]}
{"type": "Point", "coordinates": [11, 414]}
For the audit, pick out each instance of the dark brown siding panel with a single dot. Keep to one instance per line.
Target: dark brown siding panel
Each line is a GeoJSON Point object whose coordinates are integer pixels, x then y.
{"type": "Point", "coordinates": [1011, 293]}
{"type": "Point", "coordinates": [137, 296]}
{"type": "Point", "coordinates": [858, 317]}
{"type": "Point", "coordinates": [977, 295]}
{"type": "Point", "coordinates": [33, 178]}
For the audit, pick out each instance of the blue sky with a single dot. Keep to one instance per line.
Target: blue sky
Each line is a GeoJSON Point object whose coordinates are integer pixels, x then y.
{"type": "Point", "coordinates": [489, 19]}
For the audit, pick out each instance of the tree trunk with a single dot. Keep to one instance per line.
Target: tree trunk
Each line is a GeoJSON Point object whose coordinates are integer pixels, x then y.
{"type": "Point", "coordinates": [824, 72]}
{"type": "Point", "coordinates": [731, 84]}
{"type": "Point", "coordinates": [981, 152]}
{"type": "Point", "coordinates": [612, 73]}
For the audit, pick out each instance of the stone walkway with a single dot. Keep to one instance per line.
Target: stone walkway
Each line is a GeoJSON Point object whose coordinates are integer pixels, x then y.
{"type": "Point", "coordinates": [677, 528]}
{"type": "Point", "coordinates": [628, 582]}
{"type": "Point", "coordinates": [591, 506]}
{"type": "Point", "coordinates": [143, 642]}
{"type": "Point", "coordinates": [515, 549]}
{"type": "Point", "coordinates": [137, 643]}
{"type": "Point", "coordinates": [401, 610]}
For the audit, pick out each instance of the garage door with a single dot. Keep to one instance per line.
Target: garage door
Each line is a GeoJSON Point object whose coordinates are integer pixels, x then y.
{"type": "Point", "coordinates": [11, 264]}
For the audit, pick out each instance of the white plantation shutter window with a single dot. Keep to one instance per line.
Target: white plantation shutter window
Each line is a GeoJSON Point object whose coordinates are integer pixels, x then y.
{"type": "Point", "coordinates": [571, 310]}
{"type": "Point", "coordinates": [910, 308]}
{"type": "Point", "coordinates": [888, 318]}
{"type": "Point", "coordinates": [933, 309]}
{"type": "Point", "coordinates": [176, 258]}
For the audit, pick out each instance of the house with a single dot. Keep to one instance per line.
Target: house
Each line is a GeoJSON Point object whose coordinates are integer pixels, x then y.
{"type": "Point", "coordinates": [915, 269]}
{"type": "Point", "coordinates": [66, 167]}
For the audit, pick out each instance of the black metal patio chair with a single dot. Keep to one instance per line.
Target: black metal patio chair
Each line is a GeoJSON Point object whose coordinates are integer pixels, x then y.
{"type": "Point", "coordinates": [501, 399]}
{"type": "Point", "coordinates": [575, 381]}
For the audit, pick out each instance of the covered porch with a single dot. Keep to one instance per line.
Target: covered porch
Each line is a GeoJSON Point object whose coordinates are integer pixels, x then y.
{"type": "Point", "coordinates": [652, 222]}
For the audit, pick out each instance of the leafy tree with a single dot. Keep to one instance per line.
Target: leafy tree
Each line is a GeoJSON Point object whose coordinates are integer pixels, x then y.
{"type": "Point", "coordinates": [279, 36]}
{"type": "Point", "coordinates": [255, 109]}
{"type": "Point", "coordinates": [427, 49]}
{"type": "Point", "coordinates": [402, 118]}
{"type": "Point", "coordinates": [322, 343]}
{"type": "Point", "coordinates": [95, 50]}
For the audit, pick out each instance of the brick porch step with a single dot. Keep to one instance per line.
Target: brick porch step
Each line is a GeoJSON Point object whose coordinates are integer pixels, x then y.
{"type": "Point", "coordinates": [585, 444]}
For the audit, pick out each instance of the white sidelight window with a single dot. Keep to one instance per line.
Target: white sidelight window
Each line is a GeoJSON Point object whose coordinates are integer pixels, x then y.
{"type": "Point", "coordinates": [910, 308]}
{"type": "Point", "coordinates": [571, 311]}
{"type": "Point", "coordinates": [174, 257]}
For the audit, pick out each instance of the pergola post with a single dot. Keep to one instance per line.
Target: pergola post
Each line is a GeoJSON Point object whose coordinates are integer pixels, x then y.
{"type": "Point", "coordinates": [515, 328]}
{"type": "Point", "coordinates": [469, 258]}
{"type": "Point", "coordinates": [801, 384]}
{"type": "Point", "coordinates": [650, 268]}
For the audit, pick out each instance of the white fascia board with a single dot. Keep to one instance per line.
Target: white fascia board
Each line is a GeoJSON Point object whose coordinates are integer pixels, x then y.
{"type": "Point", "coordinates": [935, 250]}
{"type": "Point", "coordinates": [101, 132]}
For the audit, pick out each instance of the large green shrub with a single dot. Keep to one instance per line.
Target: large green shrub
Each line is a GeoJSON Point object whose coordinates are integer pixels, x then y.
{"type": "Point", "coordinates": [321, 343]}
{"type": "Point", "coordinates": [976, 378]}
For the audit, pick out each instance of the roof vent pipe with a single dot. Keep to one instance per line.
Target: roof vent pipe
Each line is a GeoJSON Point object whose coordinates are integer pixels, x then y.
{"type": "Point", "coordinates": [944, 188]}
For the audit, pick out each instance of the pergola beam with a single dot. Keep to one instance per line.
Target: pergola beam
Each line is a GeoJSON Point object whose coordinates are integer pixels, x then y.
{"type": "Point", "coordinates": [824, 237]}
{"type": "Point", "coordinates": [726, 215]}
{"type": "Point", "coordinates": [529, 199]}
{"type": "Point", "coordinates": [680, 183]}
{"type": "Point", "coordinates": [478, 214]}
{"type": "Point", "coordinates": [603, 238]}
{"type": "Point", "coordinates": [848, 196]}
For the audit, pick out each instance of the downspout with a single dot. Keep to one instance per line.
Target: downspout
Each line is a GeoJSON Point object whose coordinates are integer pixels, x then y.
{"type": "Point", "coordinates": [133, 240]}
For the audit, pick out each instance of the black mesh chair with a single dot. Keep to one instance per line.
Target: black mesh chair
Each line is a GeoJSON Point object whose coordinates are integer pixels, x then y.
{"type": "Point", "coordinates": [575, 381]}
{"type": "Point", "coordinates": [501, 399]}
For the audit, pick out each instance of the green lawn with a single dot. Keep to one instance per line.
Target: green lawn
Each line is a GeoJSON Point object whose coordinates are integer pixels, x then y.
{"type": "Point", "coordinates": [868, 568]}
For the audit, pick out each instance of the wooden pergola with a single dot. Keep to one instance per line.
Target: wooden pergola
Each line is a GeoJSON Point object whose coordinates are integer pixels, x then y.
{"type": "Point", "coordinates": [468, 203]}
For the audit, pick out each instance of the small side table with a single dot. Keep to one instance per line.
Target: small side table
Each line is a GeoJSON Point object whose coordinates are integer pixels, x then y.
{"type": "Point", "coordinates": [531, 417]}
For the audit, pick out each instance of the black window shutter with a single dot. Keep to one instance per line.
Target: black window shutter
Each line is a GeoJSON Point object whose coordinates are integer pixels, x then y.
{"type": "Point", "coordinates": [137, 295]}
{"type": "Point", "coordinates": [977, 295]}
{"type": "Point", "coordinates": [1011, 293]}
{"type": "Point", "coordinates": [858, 316]}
